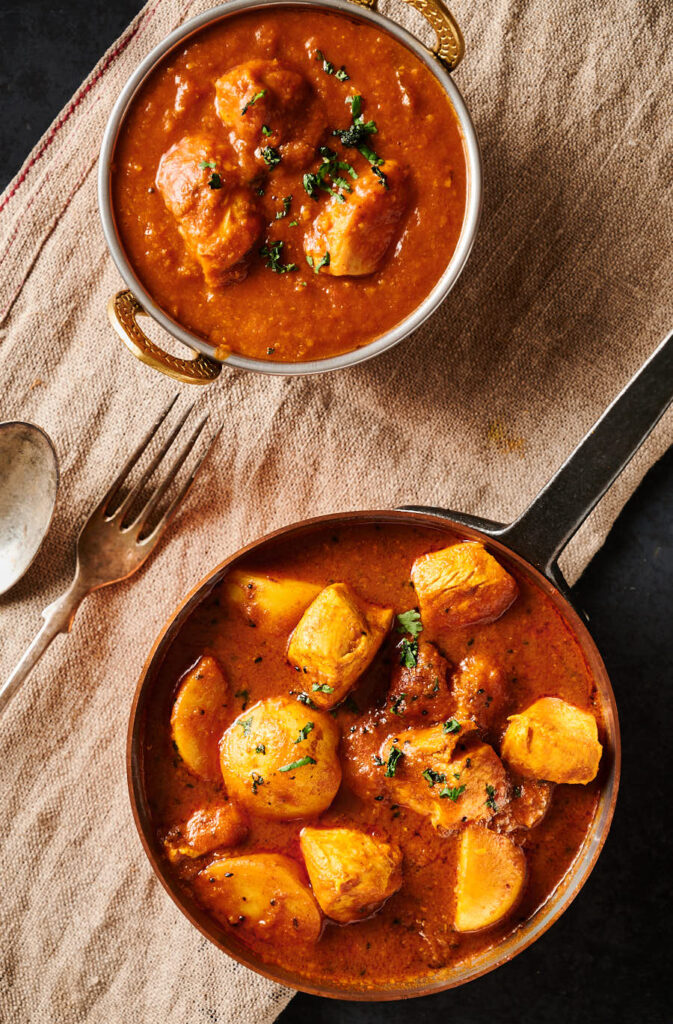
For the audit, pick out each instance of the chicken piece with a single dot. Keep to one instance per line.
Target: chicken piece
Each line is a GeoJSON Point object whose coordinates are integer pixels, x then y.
{"type": "Point", "coordinates": [335, 641]}
{"type": "Point", "coordinates": [479, 691]}
{"type": "Point", "coordinates": [440, 775]}
{"type": "Point", "coordinates": [279, 759]}
{"type": "Point", "coordinates": [531, 799]}
{"type": "Point", "coordinates": [422, 690]}
{"type": "Point", "coordinates": [206, 830]}
{"type": "Point", "coordinates": [262, 895]}
{"type": "Point", "coordinates": [274, 604]}
{"type": "Point", "coordinates": [553, 740]}
{"type": "Point", "coordinates": [199, 716]}
{"type": "Point", "coordinates": [460, 586]}
{"type": "Point", "coordinates": [352, 873]}
{"type": "Point", "coordinates": [265, 103]}
{"type": "Point", "coordinates": [357, 232]}
{"type": "Point", "coordinates": [217, 216]}
{"type": "Point", "coordinates": [491, 877]}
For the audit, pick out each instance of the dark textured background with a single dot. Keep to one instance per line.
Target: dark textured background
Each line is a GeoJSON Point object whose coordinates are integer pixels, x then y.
{"type": "Point", "coordinates": [608, 958]}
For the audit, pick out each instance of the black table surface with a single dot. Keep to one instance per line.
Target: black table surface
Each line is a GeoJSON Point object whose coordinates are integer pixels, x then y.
{"type": "Point", "coordinates": [607, 958]}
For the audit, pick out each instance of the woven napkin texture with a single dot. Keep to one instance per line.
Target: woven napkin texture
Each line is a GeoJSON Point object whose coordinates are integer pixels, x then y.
{"type": "Point", "coordinates": [568, 289]}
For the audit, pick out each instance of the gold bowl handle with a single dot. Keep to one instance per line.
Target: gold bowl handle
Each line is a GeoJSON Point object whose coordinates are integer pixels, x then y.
{"type": "Point", "coordinates": [123, 310]}
{"type": "Point", "coordinates": [450, 45]}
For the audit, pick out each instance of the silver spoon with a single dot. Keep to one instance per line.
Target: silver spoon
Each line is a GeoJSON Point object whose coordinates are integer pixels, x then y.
{"type": "Point", "coordinates": [28, 486]}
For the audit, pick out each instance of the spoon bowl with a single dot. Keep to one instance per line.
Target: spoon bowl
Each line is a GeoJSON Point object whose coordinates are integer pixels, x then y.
{"type": "Point", "coordinates": [28, 486]}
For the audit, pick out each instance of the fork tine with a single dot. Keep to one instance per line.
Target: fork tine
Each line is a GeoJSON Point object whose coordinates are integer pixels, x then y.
{"type": "Point", "coordinates": [132, 459]}
{"type": "Point", "coordinates": [182, 493]}
{"type": "Point", "coordinates": [154, 462]}
{"type": "Point", "coordinates": [155, 498]}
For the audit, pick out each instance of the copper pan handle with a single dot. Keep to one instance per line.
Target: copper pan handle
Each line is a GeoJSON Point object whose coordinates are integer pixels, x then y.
{"type": "Point", "coordinates": [542, 531]}
{"type": "Point", "coordinates": [450, 45]}
{"type": "Point", "coordinates": [123, 311]}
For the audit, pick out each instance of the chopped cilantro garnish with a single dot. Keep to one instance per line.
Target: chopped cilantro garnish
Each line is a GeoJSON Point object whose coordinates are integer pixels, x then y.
{"type": "Point", "coordinates": [257, 780]}
{"type": "Point", "coordinates": [293, 223]}
{"type": "Point", "coordinates": [251, 102]}
{"type": "Point", "coordinates": [297, 764]}
{"type": "Point", "coordinates": [410, 622]}
{"type": "Point", "coordinates": [383, 178]}
{"type": "Point", "coordinates": [215, 181]}
{"type": "Point", "coordinates": [359, 130]}
{"type": "Point", "coordinates": [327, 65]}
{"type": "Point", "coordinates": [304, 698]}
{"type": "Point", "coordinates": [329, 170]}
{"type": "Point", "coordinates": [322, 688]}
{"type": "Point", "coordinates": [452, 792]}
{"type": "Point", "coordinates": [490, 793]}
{"type": "Point", "coordinates": [408, 653]}
{"type": "Point", "coordinates": [342, 74]}
{"type": "Point", "coordinates": [206, 163]}
{"type": "Point", "coordinates": [396, 704]}
{"type": "Point", "coordinates": [431, 777]}
{"type": "Point", "coordinates": [303, 733]}
{"type": "Point", "coordinates": [286, 208]}
{"type": "Point", "coordinates": [517, 792]}
{"type": "Point", "coordinates": [324, 262]}
{"type": "Point", "coordinates": [266, 130]}
{"type": "Point", "coordinates": [260, 749]}
{"type": "Point", "coordinates": [246, 725]}
{"type": "Point", "coordinates": [271, 156]}
{"type": "Point", "coordinates": [452, 725]}
{"type": "Point", "coordinates": [273, 256]}
{"type": "Point", "coordinates": [393, 759]}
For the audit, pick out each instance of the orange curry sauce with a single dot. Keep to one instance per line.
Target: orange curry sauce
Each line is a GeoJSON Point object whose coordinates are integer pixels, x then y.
{"type": "Point", "coordinates": [301, 315]}
{"type": "Point", "coordinates": [412, 937]}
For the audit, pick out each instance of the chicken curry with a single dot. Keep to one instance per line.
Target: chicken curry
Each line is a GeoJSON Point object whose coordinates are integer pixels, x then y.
{"type": "Point", "coordinates": [373, 753]}
{"type": "Point", "coordinates": [281, 194]}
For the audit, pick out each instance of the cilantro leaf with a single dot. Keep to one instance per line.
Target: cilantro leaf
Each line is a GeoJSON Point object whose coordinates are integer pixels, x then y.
{"type": "Point", "coordinates": [410, 622]}
{"type": "Point", "coordinates": [393, 760]}
{"type": "Point", "coordinates": [303, 733]}
{"type": "Point", "coordinates": [452, 792]}
{"type": "Point", "coordinates": [298, 764]}
{"type": "Point", "coordinates": [253, 100]}
{"type": "Point", "coordinates": [408, 653]}
{"type": "Point", "coordinates": [322, 688]}
{"type": "Point", "coordinates": [271, 156]}
{"type": "Point", "coordinates": [451, 725]}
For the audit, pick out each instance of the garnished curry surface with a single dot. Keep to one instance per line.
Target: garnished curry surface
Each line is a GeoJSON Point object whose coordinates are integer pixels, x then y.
{"type": "Point", "coordinates": [345, 748]}
{"type": "Point", "coordinates": [290, 184]}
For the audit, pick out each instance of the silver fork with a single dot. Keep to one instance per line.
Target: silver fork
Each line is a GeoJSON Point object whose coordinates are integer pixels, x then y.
{"type": "Point", "coordinates": [108, 548]}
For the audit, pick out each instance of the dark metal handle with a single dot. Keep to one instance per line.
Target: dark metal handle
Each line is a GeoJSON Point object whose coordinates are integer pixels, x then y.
{"type": "Point", "coordinates": [541, 532]}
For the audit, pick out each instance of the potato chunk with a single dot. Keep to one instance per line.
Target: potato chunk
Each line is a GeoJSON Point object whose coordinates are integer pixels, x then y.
{"type": "Point", "coordinates": [357, 232]}
{"type": "Point", "coordinates": [215, 213]}
{"type": "Point", "coordinates": [335, 641]}
{"type": "Point", "coordinates": [435, 777]}
{"type": "Point", "coordinates": [263, 895]}
{"type": "Point", "coordinates": [269, 94]}
{"type": "Point", "coordinates": [352, 873]}
{"type": "Point", "coordinates": [274, 604]}
{"type": "Point", "coordinates": [553, 740]}
{"type": "Point", "coordinates": [206, 830]}
{"type": "Point", "coordinates": [491, 877]}
{"type": "Point", "coordinates": [279, 759]}
{"type": "Point", "coordinates": [460, 586]}
{"type": "Point", "coordinates": [480, 691]}
{"type": "Point", "coordinates": [198, 717]}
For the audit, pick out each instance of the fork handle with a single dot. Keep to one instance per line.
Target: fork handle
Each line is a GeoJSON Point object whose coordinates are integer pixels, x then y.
{"type": "Point", "coordinates": [58, 618]}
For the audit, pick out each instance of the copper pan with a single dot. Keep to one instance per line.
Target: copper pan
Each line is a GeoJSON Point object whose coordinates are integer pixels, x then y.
{"type": "Point", "coordinates": [531, 545]}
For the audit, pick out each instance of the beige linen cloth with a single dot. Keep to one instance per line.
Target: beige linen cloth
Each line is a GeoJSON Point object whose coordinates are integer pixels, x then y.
{"type": "Point", "coordinates": [569, 288]}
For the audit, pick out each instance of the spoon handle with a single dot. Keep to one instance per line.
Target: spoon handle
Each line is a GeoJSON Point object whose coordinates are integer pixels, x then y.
{"type": "Point", "coordinates": [58, 618]}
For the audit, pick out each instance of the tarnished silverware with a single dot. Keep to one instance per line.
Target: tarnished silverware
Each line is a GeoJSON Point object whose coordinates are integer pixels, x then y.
{"type": "Point", "coordinates": [28, 486]}
{"type": "Point", "coordinates": [111, 545]}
